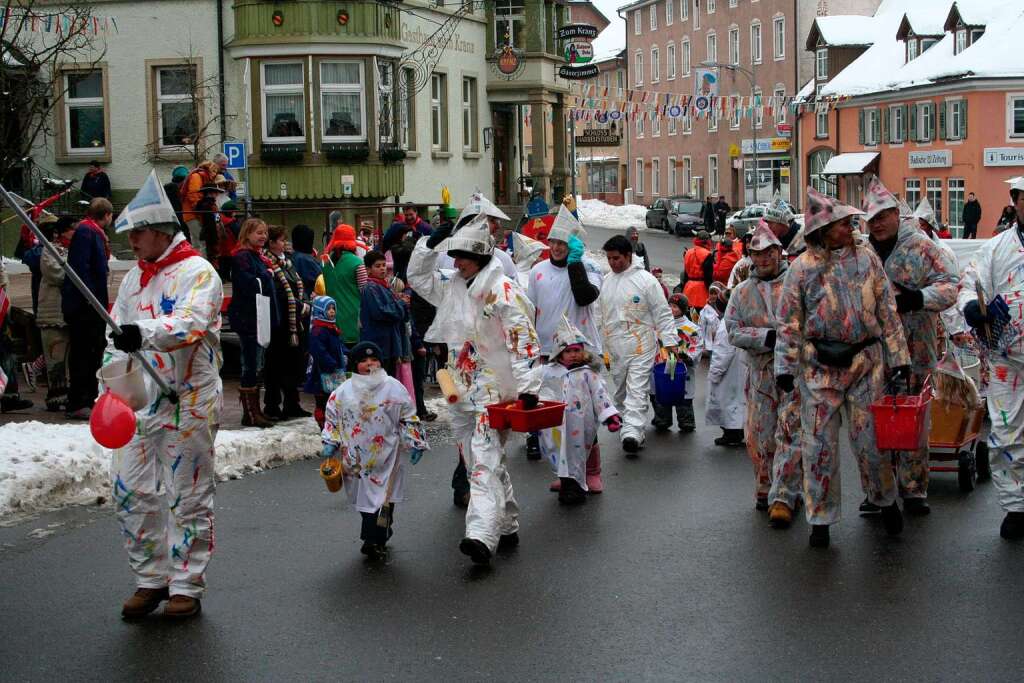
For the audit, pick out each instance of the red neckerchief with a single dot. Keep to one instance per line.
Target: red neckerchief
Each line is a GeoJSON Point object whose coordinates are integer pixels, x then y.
{"type": "Point", "coordinates": [181, 252]}
{"type": "Point", "coordinates": [327, 324]}
{"type": "Point", "coordinates": [382, 283]}
{"type": "Point", "coordinates": [266, 261]}
{"type": "Point", "coordinates": [92, 225]}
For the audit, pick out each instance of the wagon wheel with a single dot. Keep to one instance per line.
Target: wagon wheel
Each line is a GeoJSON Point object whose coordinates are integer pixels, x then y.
{"type": "Point", "coordinates": [965, 472]}
{"type": "Point", "coordinates": [981, 463]}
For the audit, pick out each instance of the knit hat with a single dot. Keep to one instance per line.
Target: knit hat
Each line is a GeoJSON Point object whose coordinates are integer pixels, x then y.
{"type": "Point", "coordinates": [150, 209]}
{"type": "Point", "coordinates": [565, 226]}
{"type": "Point", "coordinates": [319, 309]}
{"type": "Point", "coordinates": [362, 351]}
{"type": "Point", "coordinates": [680, 300]}
{"type": "Point", "coordinates": [179, 173]}
{"type": "Point", "coordinates": [229, 205]}
{"type": "Point", "coordinates": [878, 198]}
{"type": "Point", "coordinates": [823, 211]}
{"type": "Point", "coordinates": [924, 211]}
{"type": "Point", "coordinates": [763, 238]}
{"type": "Point", "coordinates": [344, 238]}
{"type": "Point", "coordinates": [479, 204]}
{"type": "Point", "coordinates": [566, 335]}
{"type": "Point", "coordinates": [473, 239]}
{"type": "Point", "coordinates": [778, 211]}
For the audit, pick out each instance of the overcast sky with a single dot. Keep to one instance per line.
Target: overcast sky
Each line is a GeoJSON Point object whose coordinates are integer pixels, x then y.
{"type": "Point", "coordinates": [613, 38]}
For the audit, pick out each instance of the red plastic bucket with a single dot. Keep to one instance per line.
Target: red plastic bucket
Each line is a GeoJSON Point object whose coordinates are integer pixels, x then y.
{"type": "Point", "coordinates": [510, 415]}
{"type": "Point", "coordinates": [899, 420]}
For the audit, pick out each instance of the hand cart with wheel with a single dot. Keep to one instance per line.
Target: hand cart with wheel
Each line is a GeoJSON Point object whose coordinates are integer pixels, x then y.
{"type": "Point", "coordinates": [955, 434]}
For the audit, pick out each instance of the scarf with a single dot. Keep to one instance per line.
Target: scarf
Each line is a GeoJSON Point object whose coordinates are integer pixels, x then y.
{"type": "Point", "coordinates": [266, 261]}
{"type": "Point", "coordinates": [326, 324]}
{"type": "Point", "coordinates": [182, 251]}
{"type": "Point", "coordinates": [91, 224]}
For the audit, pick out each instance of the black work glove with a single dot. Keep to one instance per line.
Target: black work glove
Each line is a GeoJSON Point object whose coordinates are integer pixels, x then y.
{"type": "Point", "coordinates": [908, 300]}
{"type": "Point", "coordinates": [769, 339]}
{"type": "Point", "coordinates": [129, 340]}
{"type": "Point", "coordinates": [440, 234]}
{"type": "Point", "coordinates": [529, 401]}
{"type": "Point", "coordinates": [973, 315]}
{"type": "Point", "coordinates": [901, 373]}
{"type": "Point", "coordinates": [785, 383]}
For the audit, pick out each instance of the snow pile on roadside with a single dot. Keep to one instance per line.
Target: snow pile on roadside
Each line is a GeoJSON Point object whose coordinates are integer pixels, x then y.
{"type": "Point", "coordinates": [596, 213]}
{"type": "Point", "coordinates": [44, 466]}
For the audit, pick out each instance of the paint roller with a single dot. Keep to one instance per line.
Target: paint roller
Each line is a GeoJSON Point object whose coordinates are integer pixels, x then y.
{"type": "Point", "coordinates": [447, 385]}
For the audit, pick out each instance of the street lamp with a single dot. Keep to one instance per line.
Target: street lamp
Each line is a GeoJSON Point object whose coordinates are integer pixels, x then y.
{"type": "Point", "coordinates": [752, 77]}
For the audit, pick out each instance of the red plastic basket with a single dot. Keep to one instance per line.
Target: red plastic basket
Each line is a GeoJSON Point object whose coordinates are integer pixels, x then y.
{"type": "Point", "coordinates": [510, 414]}
{"type": "Point", "coordinates": [899, 420]}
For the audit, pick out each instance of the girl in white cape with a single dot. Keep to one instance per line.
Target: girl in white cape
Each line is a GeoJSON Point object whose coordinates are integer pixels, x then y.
{"type": "Point", "coordinates": [371, 420]}
{"type": "Point", "coordinates": [569, 378]}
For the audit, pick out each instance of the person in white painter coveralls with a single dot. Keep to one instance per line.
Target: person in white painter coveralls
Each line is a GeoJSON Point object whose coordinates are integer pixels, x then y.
{"type": "Point", "coordinates": [168, 308]}
{"type": "Point", "coordinates": [486, 320]}
{"type": "Point", "coordinates": [634, 315]}
{"type": "Point", "coordinates": [998, 268]}
{"type": "Point", "coordinates": [479, 205]}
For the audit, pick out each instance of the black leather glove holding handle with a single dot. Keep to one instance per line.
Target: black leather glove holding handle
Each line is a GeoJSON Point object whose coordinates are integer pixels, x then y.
{"type": "Point", "coordinates": [130, 339]}
{"type": "Point", "coordinates": [529, 401]}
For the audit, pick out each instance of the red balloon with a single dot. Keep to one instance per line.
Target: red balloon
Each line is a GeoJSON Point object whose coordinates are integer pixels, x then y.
{"type": "Point", "coordinates": [112, 422]}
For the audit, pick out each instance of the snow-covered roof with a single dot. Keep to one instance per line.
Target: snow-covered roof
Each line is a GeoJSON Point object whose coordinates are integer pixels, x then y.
{"type": "Point", "coordinates": [806, 92]}
{"type": "Point", "coordinates": [922, 24]}
{"type": "Point", "coordinates": [976, 12]}
{"type": "Point", "coordinates": [841, 31]}
{"type": "Point", "coordinates": [851, 163]}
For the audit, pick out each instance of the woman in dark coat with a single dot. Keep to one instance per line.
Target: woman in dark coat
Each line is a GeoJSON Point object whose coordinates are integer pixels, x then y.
{"type": "Point", "coordinates": [286, 357]}
{"type": "Point", "coordinates": [251, 275]}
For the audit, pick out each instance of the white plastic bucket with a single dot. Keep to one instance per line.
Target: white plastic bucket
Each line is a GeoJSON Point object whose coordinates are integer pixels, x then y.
{"type": "Point", "coordinates": [128, 385]}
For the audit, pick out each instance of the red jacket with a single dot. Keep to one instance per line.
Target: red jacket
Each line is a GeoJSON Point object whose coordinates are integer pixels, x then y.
{"type": "Point", "coordinates": [695, 289]}
{"type": "Point", "coordinates": [726, 259]}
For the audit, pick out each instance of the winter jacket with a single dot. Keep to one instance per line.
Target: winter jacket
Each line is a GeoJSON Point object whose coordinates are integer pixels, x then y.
{"type": "Point", "coordinates": [96, 185]}
{"type": "Point", "coordinates": [49, 311]}
{"type": "Point", "coordinates": [31, 259]}
{"type": "Point", "coordinates": [342, 284]}
{"type": "Point", "coordinates": [726, 259]}
{"type": "Point", "coordinates": [87, 256]}
{"type": "Point", "coordinates": [697, 275]}
{"type": "Point", "coordinates": [397, 230]}
{"type": "Point", "coordinates": [382, 318]}
{"type": "Point", "coordinates": [308, 268]}
{"type": "Point", "coordinates": [972, 213]}
{"type": "Point", "coordinates": [326, 354]}
{"type": "Point", "coordinates": [249, 277]}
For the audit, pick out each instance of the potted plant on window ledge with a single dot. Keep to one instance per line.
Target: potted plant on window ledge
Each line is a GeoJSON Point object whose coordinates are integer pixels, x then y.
{"type": "Point", "coordinates": [391, 153]}
{"type": "Point", "coordinates": [282, 154]}
{"type": "Point", "coordinates": [347, 152]}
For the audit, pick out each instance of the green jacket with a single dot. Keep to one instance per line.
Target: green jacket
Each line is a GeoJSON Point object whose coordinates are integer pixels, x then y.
{"type": "Point", "coordinates": [340, 283]}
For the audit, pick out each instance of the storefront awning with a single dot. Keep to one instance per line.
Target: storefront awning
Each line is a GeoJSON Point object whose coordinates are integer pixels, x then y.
{"type": "Point", "coordinates": [851, 163]}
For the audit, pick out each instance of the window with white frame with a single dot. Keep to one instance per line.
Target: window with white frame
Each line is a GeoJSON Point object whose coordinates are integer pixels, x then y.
{"type": "Point", "coordinates": [933, 188]}
{"type": "Point", "coordinates": [655, 177]}
{"type": "Point", "coordinates": [733, 3]}
{"type": "Point", "coordinates": [655, 64]}
{"type": "Point", "coordinates": [637, 22]}
{"type": "Point", "coordinates": [712, 46]}
{"type": "Point", "coordinates": [755, 42]}
{"type": "Point", "coordinates": [713, 119]}
{"type": "Point", "coordinates": [913, 192]}
{"type": "Point", "coordinates": [897, 124]}
{"type": "Point", "coordinates": [684, 49]}
{"type": "Point", "coordinates": [638, 68]}
{"type": "Point", "coordinates": [672, 188]}
{"type": "Point", "coordinates": [734, 45]}
{"type": "Point", "coordinates": [386, 100]}
{"type": "Point", "coordinates": [84, 118]}
{"type": "Point", "coordinates": [408, 120]}
{"type": "Point", "coordinates": [638, 177]}
{"type": "Point", "coordinates": [670, 61]}
{"type": "Point", "coordinates": [469, 115]}
{"type": "Point", "coordinates": [779, 37]}
{"type": "Point", "coordinates": [961, 41]}
{"type": "Point", "coordinates": [696, 17]}
{"type": "Point", "coordinates": [955, 186]}
{"type": "Point", "coordinates": [927, 43]}
{"type": "Point", "coordinates": [687, 175]}
{"type": "Point", "coordinates": [176, 105]}
{"type": "Point", "coordinates": [710, 4]}
{"type": "Point", "coordinates": [912, 46]}
{"type": "Point", "coordinates": [653, 12]}
{"type": "Point", "coordinates": [284, 102]}
{"type": "Point", "coordinates": [734, 118]}
{"type": "Point", "coordinates": [872, 127]}
{"type": "Point", "coordinates": [713, 174]}
{"type": "Point", "coordinates": [821, 64]}
{"type": "Point", "coordinates": [438, 111]}
{"type": "Point", "coordinates": [780, 104]}
{"type": "Point", "coordinates": [342, 110]}
{"type": "Point", "coordinates": [620, 80]}
{"type": "Point", "coordinates": [655, 124]}
{"type": "Point", "coordinates": [672, 125]}
{"type": "Point", "coordinates": [816, 163]}
{"type": "Point", "coordinates": [758, 103]}
{"type": "Point", "coordinates": [510, 23]}
{"type": "Point", "coordinates": [820, 114]}
{"type": "Point", "coordinates": [638, 125]}
{"type": "Point", "coordinates": [1015, 115]}
{"type": "Point", "coordinates": [684, 9]}
{"type": "Point", "coordinates": [975, 34]}
{"type": "Point", "coordinates": [956, 120]}
{"type": "Point", "coordinates": [687, 123]}
{"type": "Point", "coordinates": [669, 7]}
{"type": "Point", "coordinates": [925, 121]}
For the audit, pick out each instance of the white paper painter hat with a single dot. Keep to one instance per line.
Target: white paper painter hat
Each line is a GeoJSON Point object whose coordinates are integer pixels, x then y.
{"type": "Point", "coordinates": [924, 211]}
{"type": "Point", "coordinates": [150, 208]}
{"type": "Point", "coordinates": [778, 211]}
{"type": "Point", "coordinates": [479, 204]}
{"type": "Point", "coordinates": [763, 238]}
{"type": "Point", "coordinates": [1016, 183]}
{"type": "Point", "coordinates": [905, 210]}
{"type": "Point", "coordinates": [566, 335]}
{"type": "Point", "coordinates": [565, 226]}
{"type": "Point", "coordinates": [474, 238]}
{"type": "Point", "coordinates": [877, 198]}
{"type": "Point", "coordinates": [525, 250]}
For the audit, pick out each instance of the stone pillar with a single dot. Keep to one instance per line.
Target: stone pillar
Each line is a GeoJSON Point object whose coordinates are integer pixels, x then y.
{"type": "Point", "coordinates": [540, 171]}
{"type": "Point", "coordinates": [560, 174]}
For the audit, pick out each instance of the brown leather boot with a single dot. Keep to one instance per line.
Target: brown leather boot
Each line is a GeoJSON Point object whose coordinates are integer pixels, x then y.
{"type": "Point", "coordinates": [182, 607]}
{"type": "Point", "coordinates": [252, 416]}
{"type": "Point", "coordinates": [144, 601]}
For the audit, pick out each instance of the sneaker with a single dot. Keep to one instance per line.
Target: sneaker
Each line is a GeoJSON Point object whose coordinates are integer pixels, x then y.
{"type": "Point", "coordinates": [892, 519]}
{"type": "Point", "coordinates": [533, 447]}
{"type": "Point", "coordinates": [476, 550]}
{"type": "Point", "coordinates": [819, 536]}
{"type": "Point", "coordinates": [144, 601]}
{"type": "Point", "coordinates": [869, 508]}
{"type": "Point", "coordinates": [1012, 528]}
{"type": "Point", "coordinates": [779, 515]}
{"type": "Point", "coordinates": [182, 607]}
{"type": "Point", "coordinates": [916, 506]}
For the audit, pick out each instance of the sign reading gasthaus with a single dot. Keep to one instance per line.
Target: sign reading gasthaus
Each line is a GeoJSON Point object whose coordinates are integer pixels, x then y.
{"type": "Point", "coordinates": [942, 158]}
{"type": "Point", "coordinates": [1004, 156]}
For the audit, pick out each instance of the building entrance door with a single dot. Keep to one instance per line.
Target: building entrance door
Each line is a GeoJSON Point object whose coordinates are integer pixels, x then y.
{"type": "Point", "coordinates": [501, 120]}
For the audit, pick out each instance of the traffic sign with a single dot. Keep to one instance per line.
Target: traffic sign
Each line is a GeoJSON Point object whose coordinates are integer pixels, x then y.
{"type": "Point", "coordinates": [235, 152]}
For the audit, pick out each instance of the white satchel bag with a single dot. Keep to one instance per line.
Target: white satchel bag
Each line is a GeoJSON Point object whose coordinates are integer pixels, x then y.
{"type": "Point", "coordinates": [262, 317]}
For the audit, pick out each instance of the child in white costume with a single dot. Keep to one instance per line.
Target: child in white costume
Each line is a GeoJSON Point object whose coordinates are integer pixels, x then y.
{"type": "Point", "coordinates": [569, 378]}
{"type": "Point", "coordinates": [370, 418]}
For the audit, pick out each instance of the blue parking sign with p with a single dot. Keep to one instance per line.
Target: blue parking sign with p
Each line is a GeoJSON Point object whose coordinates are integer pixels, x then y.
{"type": "Point", "coordinates": [235, 152]}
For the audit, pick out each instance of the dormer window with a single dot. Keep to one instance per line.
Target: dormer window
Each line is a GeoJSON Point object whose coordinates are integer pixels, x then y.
{"type": "Point", "coordinates": [927, 43]}
{"type": "Point", "coordinates": [821, 64]}
{"type": "Point", "coordinates": [975, 34]}
{"type": "Point", "coordinates": [961, 41]}
{"type": "Point", "coordinates": [912, 46]}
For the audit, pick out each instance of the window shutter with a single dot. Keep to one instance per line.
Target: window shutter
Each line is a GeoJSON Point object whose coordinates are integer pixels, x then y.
{"type": "Point", "coordinates": [885, 114]}
{"type": "Point", "coordinates": [963, 119]}
{"type": "Point", "coordinates": [906, 123]}
{"type": "Point", "coordinates": [943, 106]}
{"type": "Point", "coordinates": [860, 126]}
{"type": "Point", "coordinates": [931, 133]}
{"type": "Point", "coordinates": [912, 123]}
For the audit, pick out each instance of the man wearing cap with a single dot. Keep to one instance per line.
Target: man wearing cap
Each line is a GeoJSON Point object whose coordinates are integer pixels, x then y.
{"type": "Point", "coordinates": [998, 320]}
{"type": "Point", "coordinates": [634, 316]}
{"type": "Point", "coordinates": [564, 285]}
{"type": "Point", "coordinates": [837, 323]}
{"type": "Point", "coordinates": [168, 308]}
{"type": "Point", "coordinates": [924, 280]}
{"type": "Point", "coordinates": [486, 320]}
{"type": "Point", "coordinates": [773, 419]}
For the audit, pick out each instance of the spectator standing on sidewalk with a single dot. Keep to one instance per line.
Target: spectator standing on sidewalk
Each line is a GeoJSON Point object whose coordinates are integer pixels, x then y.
{"type": "Point", "coordinates": [971, 216]}
{"type": "Point", "coordinates": [286, 357]}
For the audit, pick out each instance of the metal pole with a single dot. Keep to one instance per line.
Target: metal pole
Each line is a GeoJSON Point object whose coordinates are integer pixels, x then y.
{"type": "Point", "coordinates": [89, 296]}
{"type": "Point", "coordinates": [753, 78]}
{"type": "Point", "coordinates": [572, 147]}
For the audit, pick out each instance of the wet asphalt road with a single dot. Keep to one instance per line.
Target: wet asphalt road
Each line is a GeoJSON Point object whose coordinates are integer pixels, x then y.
{"type": "Point", "coordinates": [664, 250]}
{"type": "Point", "coordinates": [668, 575]}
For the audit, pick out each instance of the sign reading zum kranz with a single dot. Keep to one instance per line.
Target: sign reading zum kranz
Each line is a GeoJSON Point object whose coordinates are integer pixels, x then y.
{"type": "Point", "coordinates": [597, 137]}
{"type": "Point", "coordinates": [577, 51]}
{"type": "Point", "coordinates": [941, 158]}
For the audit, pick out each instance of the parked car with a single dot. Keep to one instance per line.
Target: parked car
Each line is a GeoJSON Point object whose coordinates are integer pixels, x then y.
{"type": "Point", "coordinates": [745, 220]}
{"type": "Point", "coordinates": [680, 215]}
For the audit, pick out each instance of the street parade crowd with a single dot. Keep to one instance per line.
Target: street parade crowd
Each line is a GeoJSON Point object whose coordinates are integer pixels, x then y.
{"type": "Point", "coordinates": [801, 329]}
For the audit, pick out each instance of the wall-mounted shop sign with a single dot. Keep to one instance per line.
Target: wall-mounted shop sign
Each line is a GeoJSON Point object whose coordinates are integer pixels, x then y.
{"type": "Point", "coordinates": [1004, 156]}
{"type": "Point", "coordinates": [577, 51]}
{"type": "Point", "coordinates": [598, 137]}
{"type": "Point", "coordinates": [940, 158]}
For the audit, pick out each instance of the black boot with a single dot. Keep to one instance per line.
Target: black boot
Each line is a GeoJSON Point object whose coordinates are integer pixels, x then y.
{"type": "Point", "coordinates": [571, 492]}
{"type": "Point", "coordinates": [476, 551]}
{"type": "Point", "coordinates": [892, 519]}
{"type": "Point", "coordinates": [460, 486]}
{"type": "Point", "coordinates": [533, 447]}
{"type": "Point", "coordinates": [508, 542]}
{"type": "Point", "coordinates": [662, 421]}
{"type": "Point", "coordinates": [819, 536]}
{"type": "Point", "coordinates": [916, 506]}
{"type": "Point", "coordinates": [867, 507]}
{"type": "Point", "coordinates": [1012, 528]}
{"type": "Point", "coordinates": [685, 418]}
{"type": "Point", "coordinates": [10, 404]}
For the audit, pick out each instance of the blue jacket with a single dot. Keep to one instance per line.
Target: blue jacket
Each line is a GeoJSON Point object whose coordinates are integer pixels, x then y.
{"type": "Point", "coordinates": [31, 258]}
{"type": "Point", "coordinates": [248, 269]}
{"type": "Point", "coordinates": [326, 354]}
{"type": "Point", "coordinates": [308, 268]}
{"type": "Point", "coordinates": [381, 319]}
{"type": "Point", "coordinates": [87, 256]}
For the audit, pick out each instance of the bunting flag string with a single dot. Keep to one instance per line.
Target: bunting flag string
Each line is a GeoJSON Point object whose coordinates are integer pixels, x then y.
{"type": "Point", "coordinates": [17, 19]}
